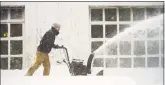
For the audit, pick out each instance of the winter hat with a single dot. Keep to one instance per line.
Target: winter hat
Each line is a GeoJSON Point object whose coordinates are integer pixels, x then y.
{"type": "Point", "coordinates": [54, 25]}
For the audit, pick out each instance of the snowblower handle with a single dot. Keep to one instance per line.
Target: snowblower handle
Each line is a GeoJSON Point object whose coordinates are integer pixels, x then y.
{"type": "Point", "coordinates": [67, 58]}
{"type": "Point", "coordinates": [66, 53]}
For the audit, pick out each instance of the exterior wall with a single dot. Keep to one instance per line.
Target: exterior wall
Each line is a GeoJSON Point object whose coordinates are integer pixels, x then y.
{"type": "Point", "coordinates": [38, 19]}
{"type": "Point", "coordinates": [75, 33]}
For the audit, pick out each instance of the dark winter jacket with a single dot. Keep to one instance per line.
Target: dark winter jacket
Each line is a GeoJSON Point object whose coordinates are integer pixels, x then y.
{"type": "Point", "coordinates": [47, 41]}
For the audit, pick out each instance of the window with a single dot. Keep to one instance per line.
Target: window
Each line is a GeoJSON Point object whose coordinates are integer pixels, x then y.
{"type": "Point", "coordinates": [96, 45]}
{"type": "Point", "coordinates": [16, 47]}
{"type": "Point", "coordinates": [138, 14]}
{"type": "Point", "coordinates": [96, 15]}
{"type": "Point", "coordinates": [153, 47]}
{"type": "Point", "coordinates": [139, 48]}
{"type": "Point", "coordinates": [152, 33]}
{"type": "Point", "coordinates": [4, 63]}
{"type": "Point", "coordinates": [123, 27]}
{"type": "Point", "coordinates": [152, 12]}
{"type": "Point", "coordinates": [98, 62]}
{"type": "Point", "coordinates": [111, 49]}
{"type": "Point", "coordinates": [4, 47]}
{"type": "Point", "coordinates": [110, 15]}
{"type": "Point", "coordinates": [111, 62]}
{"type": "Point", "coordinates": [107, 22]}
{"type": "Point", "coordinates": [4, 30]}
{"type": "Point", "coordinates": [125, 48]}
{"type": "Point", "coordinates": [4, 13]}
{"type": "Point", "coordinates": [161, 10]}
{"type": "Point", "coordinates": [139, 62]}
{"type": "Point", "coordinates": [124, 14]}
{"type": "Point", "coordinates": [16, 13]}
{"type": "Point", "coordinates": [12, 20]}
{"type": "Point", "coordinates": [153, 61]}
{"type": "Point", "coordinates": [161, 46]}
{"type": "Point", "coordinates": [111, 30]}
{"type": "Point", "coordinates": [97, 31]}
{"type": "Point", "coordinates": [140, 34]}
{"type": "Point", "coordinates": [16, 63]}
{"type": "Point", "coordinates": [125, 62]}
{"type": "Point", "coordinates": [15, 30]}
{"type": "Point", "coordinates": [162, 62]}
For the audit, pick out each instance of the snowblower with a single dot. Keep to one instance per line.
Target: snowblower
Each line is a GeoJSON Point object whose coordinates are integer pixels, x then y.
{"type": "Point", "coordinates": [76, 66]}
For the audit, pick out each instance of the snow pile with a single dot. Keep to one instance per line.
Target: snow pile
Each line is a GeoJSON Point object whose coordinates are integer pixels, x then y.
{"type": "Point", "coordinates": [54, 80]}
{"type": "Point", "coordinates": [58, 70]}
{"type": "Point", "coordinates": [59, 75]}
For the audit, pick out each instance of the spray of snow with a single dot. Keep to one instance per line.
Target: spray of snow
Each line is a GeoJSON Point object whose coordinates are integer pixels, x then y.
{"type": "Point", "coordinates": [151, 23]}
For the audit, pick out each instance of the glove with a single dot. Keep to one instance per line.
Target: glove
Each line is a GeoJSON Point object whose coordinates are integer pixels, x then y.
{"type": "Point", "coordinates": [57, 46]}
{"type": "Point", "coordinates": [61, 46]}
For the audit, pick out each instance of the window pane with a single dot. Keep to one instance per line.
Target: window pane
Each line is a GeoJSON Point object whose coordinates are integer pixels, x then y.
{"type": "Point", "coordinates": [124, 14]}
{"type": "Point", "coordinates": [96, 45]}
{"type": "Point", "coordinates": [162, 59]}
{"type": "Point", "coordinates": [16, 63]}
{"type": "Point", "coordinates": [4, 30]}
{"type": "Point", "coordinates": [139, 34]}
{"type": "Point", "coordinates": [16, 13]}
{"type": "Point", "coordinates": [98, 62]}
{"type": "Point", "coordinates": [16, 47]}
{"type": "Point", "coordinates": [125, 62]}
{"type": "Point", "coordinates": [16, 30]}
{"type": "Point", "coordinates": [111, 30]}
{"type": "Point", "coordinates": [125, 47]}
{"type": "Point", "coordinates": [96, 14]}
{"type": "Point", "coordinates": [110, 15]}
{"type": "Point", "coordinates": [152, 12]}
{"type": "Point", "coordinates": [111, 62]}
{"type": "Point", "coordinates": [138, 14]}
{"type": "Point", "coordinates": [153, 61]}
{"type": "Point", "coordinates": [139, 48]}
{"type": "Point", "coordinates": [4, 47]}
{"type": "Point", "coordinates": [139, 62]}
{"type": "Point", "coordinates": [161, 10]}
{"type": "Point", "coordinates": [97, 31]}
{"type": "Point", "coordinates": [111, 49]}
{"type": "Point", "coordinates": [153, 32]}
{"type": "Point", "coordinates": [161, 46]}
{"type": "Point", "coordinates": [4, 63]}
{"type": "Point", "coordinates": [123, 27]}
{"type": "Point", "coordinates": [4, 13]}
{"type": "Point", "coordinates": [153, 47]}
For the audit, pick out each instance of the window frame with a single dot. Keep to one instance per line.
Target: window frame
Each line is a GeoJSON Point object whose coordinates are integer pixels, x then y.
{"type": "Point", "coordinates": [10, 21]}
{"type": "Point", "coordinates": [131, 22]}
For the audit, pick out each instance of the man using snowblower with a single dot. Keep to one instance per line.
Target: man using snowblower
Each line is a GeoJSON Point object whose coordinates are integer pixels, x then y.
{"type": "Point", "coordinates": [46, 44]}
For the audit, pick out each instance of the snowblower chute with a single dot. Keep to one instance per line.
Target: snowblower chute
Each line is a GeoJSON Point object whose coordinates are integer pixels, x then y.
{"type": "Point", "coordinates": [76, 66]}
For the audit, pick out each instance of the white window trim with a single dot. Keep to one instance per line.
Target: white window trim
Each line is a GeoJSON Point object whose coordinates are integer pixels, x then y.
{"type": "Point", "coordinates": [14, 21]}
{"type": "Point", "coordinates": [145, 39]}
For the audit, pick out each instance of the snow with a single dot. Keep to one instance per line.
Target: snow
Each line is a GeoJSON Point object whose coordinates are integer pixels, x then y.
{"type": "Point", "coordinates": [66, 81]}
{"type": "Point", "coordinates": [135, 30]}
{"type": "Point", "coordinates": [58, 70]}
{"type": "Point", "coordinates": [59, 76]}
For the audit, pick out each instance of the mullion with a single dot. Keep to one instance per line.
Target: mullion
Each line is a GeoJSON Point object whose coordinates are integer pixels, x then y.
{"type": "Point", "coordinates": [8, 38]}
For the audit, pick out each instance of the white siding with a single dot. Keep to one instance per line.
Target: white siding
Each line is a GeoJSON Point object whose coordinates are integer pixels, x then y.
{"type": "Point", "coordinates": [75, 32]}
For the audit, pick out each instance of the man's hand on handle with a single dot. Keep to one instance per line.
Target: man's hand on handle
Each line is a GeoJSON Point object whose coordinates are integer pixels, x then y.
{"type": "Point", "coordinates": [57, 46]}
{"type": "Point", "coordinates": [61, 46]}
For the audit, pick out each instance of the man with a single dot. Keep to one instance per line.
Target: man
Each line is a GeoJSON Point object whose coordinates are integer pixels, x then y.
{"type": "Point", "coordinates": [46, 44]}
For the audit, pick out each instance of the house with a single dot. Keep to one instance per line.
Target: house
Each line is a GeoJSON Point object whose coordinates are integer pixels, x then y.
{"type": "Point", "coordinates": [85, 27]}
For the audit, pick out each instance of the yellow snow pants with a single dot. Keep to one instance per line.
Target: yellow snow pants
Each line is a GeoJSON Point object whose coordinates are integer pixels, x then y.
{"type": "Point", "coordinates": [41, 58]}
